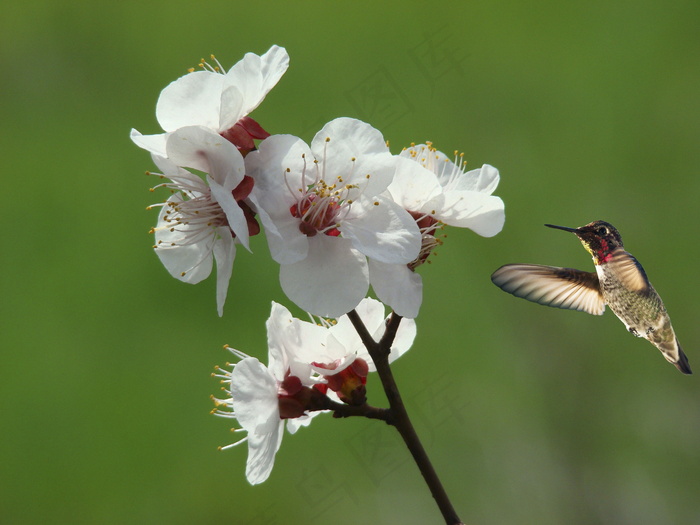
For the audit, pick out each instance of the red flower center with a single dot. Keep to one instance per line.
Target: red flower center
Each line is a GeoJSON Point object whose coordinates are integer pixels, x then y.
{"type": "Point", "coordinates": [240, 193]}
{"type": "Point", "coordinates": [242, 133]}
{"type": "Point", "coordinates": [317, 214]}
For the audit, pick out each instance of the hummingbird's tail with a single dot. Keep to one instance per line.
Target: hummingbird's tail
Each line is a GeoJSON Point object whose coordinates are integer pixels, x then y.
{"type": "Point", "coordinates": [673, 353]}
{"type": "Point", "coordinates": [682, 363]}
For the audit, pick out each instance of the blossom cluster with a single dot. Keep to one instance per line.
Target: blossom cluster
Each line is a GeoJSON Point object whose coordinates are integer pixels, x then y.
{"type": "Point", "coordinates": [339, 214]}
{"type": "Point", "coordinates": [308, 363]}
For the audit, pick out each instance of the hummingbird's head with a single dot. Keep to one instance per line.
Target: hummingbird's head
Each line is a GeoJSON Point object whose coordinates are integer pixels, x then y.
{"type": "Point", "coordinates": [600, 238]}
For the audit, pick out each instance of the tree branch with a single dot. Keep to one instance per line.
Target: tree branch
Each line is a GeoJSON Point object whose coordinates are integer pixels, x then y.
{"type": "Point", "coordinates": [399, 416]}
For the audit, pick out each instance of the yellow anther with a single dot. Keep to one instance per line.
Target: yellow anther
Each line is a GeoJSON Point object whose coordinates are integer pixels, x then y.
{"type": "Point", "coordinates": [183, 274]}
{"type": "Point", "coordinates": [328, 139]}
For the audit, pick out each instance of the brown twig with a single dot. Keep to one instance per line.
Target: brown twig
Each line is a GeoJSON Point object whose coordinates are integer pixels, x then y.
{"type": "Point", "coordinates": [379, 351]}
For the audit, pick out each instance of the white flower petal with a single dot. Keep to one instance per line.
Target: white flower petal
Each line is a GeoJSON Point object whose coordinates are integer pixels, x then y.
{"type": "Point", "coordinates": [181, 177]}
{"type": "Point", "coordinates": [279, 162]}
{"type": "Point", "coordinates": [277, 167]}
{"type": "Point", "coordinates": [484, 180]}
{"type": "Point", "coordinates": [277, 328]}
{"type": "Point", "coordinates": [232, 107]}
{"type": "Point", "coordinates": [397, 286]}
{"type": "Point", "coordinates": [217, 101]}
{"type": "Point", "coordinates": [371, 312]}
{"type": "Point", "coordinates": [287, 244]}
{"type": "Point", "coordinates": [292, 345]}
{"type": "Point", "coordinates": [353, 139]}
{"type": "Point", "coordinates": [262, 449]}
{"type": "Point", "coordinates": [234, 214]}
{"type": "Point", "coordinates": [202, 149]}
{"type": "Point", "coordinates": [224, 254]}
{"type": "Point", "coordinates": [344, 360]}
{"type": "Point", "coordinates": [373, 316]}
{"type": "Point", "coordinates": [194, 260]}
{"type": "Point", "coordinates": [304, 421]}
{"type": "Point", "coordinates": [413, 185]}
{"type": "Point", "coordinates": [286, 346]}
{"type": "Point", "coordinates": [194, 99]}
{"type": "Point", "coordinates": [466, 200]}
{"type": "Point", "coordinates": [403, 341]}
{"type": "Point", "coordinates": [331, 281]}
{"type": "Point", "coordinates": [153, 143]}
{"type": "Point", "coordinates": [254, 397]}
{"type": "Point", "coordinates": [385, 232]}
{"type": "Point", "coordinates": [274, 64]}
{"type": "Point", "coordinates": [306, 343]}
{"type": "Point", "coordinates": [482, 213]}
{"type": "Point", "coordinates": [256, 75]}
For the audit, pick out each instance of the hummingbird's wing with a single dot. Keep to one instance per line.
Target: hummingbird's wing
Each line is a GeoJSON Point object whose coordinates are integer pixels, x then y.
{"type": "Point", "coordinates": [628, 271]}
{"type": "Point", "coordinates": [552, 286]}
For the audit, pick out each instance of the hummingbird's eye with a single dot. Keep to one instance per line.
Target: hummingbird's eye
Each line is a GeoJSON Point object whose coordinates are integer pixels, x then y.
{"type": "Point", "coordinates": [602, 230]}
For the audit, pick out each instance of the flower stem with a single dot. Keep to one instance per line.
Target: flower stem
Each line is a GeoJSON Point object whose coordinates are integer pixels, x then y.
{"type": "Point", "coordinates": [399, 417]}
{"type": "Point", "coordinates": [342, 410]}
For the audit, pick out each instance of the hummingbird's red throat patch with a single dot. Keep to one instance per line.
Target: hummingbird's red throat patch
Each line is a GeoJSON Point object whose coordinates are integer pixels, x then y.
{"type": "Point", "coordinates": [603, 255]}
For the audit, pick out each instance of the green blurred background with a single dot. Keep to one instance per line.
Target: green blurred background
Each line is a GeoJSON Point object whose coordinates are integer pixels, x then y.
{"type": "Point", "coordinates": [531, 415]}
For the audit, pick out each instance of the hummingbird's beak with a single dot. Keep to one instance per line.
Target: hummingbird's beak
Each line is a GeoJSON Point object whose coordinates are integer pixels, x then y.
{"type": "Point", "coordinates": [574, 230]}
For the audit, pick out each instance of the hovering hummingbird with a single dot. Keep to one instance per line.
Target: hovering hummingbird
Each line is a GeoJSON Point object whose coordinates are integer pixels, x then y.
{"type": "Point", "coordinates": [619, 281]}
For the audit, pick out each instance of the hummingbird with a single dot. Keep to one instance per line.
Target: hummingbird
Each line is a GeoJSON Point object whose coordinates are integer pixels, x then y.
{"type": "Point", "coordinates": [619, 281]}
